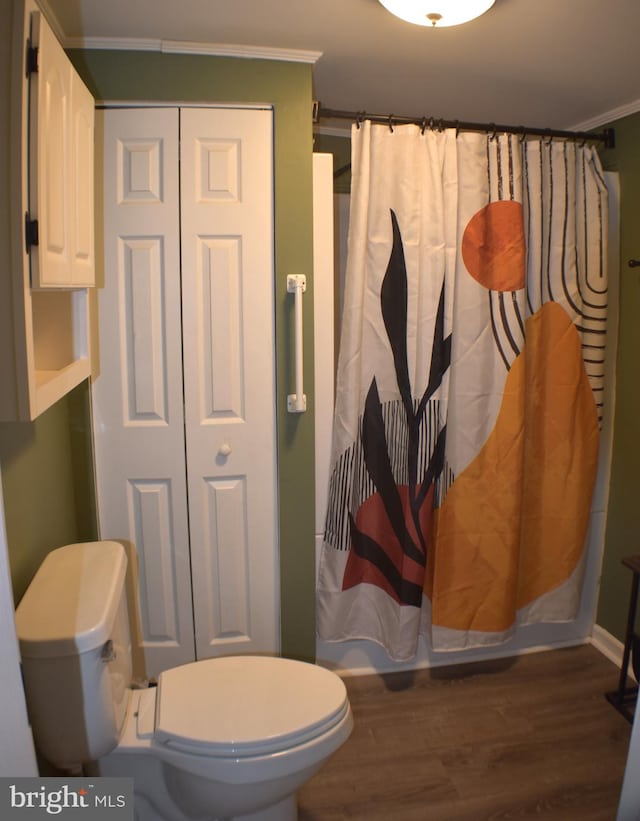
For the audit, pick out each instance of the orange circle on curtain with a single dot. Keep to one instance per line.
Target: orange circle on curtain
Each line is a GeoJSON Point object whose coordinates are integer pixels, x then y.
{"type": "Point", "coordinates": [493, 246]}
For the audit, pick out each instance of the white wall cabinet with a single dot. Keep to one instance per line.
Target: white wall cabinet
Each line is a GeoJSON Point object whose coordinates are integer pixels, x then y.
{"type": "Point", "coordinates": [49, 170]}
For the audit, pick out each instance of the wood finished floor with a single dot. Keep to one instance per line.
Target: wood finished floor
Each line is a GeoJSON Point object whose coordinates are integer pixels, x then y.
{"type": "Point", "coordinates": [517, 738]}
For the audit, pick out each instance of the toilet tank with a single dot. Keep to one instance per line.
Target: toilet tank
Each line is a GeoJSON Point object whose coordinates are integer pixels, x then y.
{"type": "Point", "coordinates": [73, 631]}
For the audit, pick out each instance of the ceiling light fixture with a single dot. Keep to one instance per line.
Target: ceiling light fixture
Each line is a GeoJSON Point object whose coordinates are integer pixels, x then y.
{"type": "Point", "coordinates": [437, 13]}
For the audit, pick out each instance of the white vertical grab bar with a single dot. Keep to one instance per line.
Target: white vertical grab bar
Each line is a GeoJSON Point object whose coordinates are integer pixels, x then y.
{"type": "Point", "coordinates": [297, 285]}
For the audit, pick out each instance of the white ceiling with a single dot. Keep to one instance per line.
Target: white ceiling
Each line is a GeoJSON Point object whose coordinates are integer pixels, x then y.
{"type": "Point", "coordinates": [546, 63]}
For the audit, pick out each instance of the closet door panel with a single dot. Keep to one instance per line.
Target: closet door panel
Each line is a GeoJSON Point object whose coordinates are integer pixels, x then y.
{"type": "Point", "coordinates": [138, 408]}
{"type": "Point", "coordinates": [227, 576]}
{"type": "Point", "coordinates": [149, 512]}
{"type": "Point", "coordinates": [228, 310]}
{"type": "Point", "coordinates": [221, 388]}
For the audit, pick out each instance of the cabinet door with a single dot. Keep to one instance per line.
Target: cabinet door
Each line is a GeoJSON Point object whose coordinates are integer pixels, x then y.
{"type": "Point", "coordinates": [49, 173]}
{"type": "Point", "coordinates": [61, 167]}
{"type": "Point", "coordinates": [81, 170]}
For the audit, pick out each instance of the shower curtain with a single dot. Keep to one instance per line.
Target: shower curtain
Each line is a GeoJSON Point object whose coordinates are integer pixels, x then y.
{"type": "Point", "coordinates": [469, 388]}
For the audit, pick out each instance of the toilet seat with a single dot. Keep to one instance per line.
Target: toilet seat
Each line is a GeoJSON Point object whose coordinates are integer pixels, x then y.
{"type": "Point", "coordinates": [245, 706]}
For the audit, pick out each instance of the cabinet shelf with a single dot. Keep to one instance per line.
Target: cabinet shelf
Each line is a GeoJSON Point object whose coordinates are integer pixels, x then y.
{"type": "Point", "coordinates": [51, 385]}
{"type": "Point", "coordinates": [77, 370]}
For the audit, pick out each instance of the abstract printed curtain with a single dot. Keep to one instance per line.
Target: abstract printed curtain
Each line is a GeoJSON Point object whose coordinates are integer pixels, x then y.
{"type": "Point", "coordinates": [469, 388]}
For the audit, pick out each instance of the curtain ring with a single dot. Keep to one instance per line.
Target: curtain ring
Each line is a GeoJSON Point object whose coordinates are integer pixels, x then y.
{"type": "Point", "coordinates": [494, 132]}
{"type": "Point", "coordinates": [549, 139]}
{"type": "Point", "coordinates": [457, 127]}
{"type": "Point", "coordinates": [431, 123]}
{"type": "Point", "coordinates": [391, 123]}
{"type": "Point", "coordinates": [359, 118]}
{"type": "Point", "coordinates": [423, 125]}
{"type": "Point", "coordinates": [523, 134]}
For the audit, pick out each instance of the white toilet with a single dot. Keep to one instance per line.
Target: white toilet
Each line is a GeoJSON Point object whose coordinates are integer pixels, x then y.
{"type": "Point", "coordinates": [224, 738]}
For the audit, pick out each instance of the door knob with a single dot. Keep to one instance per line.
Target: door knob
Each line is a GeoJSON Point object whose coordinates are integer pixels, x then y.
{"type": "Point", "coordinates": [225, 449]}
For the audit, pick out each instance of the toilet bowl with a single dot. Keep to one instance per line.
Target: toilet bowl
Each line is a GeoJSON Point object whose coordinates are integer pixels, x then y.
{"type": "Point", "coordinates": [232, 735]}
{"type": "Point", "coordinates": [226, 738]}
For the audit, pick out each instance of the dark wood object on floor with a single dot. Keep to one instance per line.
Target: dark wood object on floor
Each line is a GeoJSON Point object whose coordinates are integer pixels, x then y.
{"type": "Point", "coordinates": [526, 737]}
{"type": "Point", "coordinates": [625, 697]}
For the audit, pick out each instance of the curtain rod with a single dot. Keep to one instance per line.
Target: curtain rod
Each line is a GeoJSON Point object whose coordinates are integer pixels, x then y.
{"type": "Point", "coordinates": [608, 136]}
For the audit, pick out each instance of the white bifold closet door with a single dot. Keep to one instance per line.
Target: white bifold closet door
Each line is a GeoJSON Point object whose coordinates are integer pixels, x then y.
{"type": "Point", "coordinates": [184, 401]}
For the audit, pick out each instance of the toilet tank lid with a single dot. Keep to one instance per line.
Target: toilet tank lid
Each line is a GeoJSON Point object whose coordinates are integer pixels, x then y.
{"type": "Point", "coordinates": [71, 603]}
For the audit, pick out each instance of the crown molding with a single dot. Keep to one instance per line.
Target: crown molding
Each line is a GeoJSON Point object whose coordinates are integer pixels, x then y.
{"type": "Point", "coordinates": [183, 47]}
{"type": "Point", "coordinates": [287, 55]}
{"type": "Point", "coordinates": [113, 43]}
{"type": "Point", "coordinates": [608, 117]}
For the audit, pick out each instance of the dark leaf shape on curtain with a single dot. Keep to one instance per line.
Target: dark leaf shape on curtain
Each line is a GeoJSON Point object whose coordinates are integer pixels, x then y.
{"type": "Point", "coordinates": [376, 459]}
{"type": "Point", "coordinates": [393, 302]}
{"type": "Point", "coordinates": [372, 559]}
{"type": "Point", "coordinates": [440, 356]}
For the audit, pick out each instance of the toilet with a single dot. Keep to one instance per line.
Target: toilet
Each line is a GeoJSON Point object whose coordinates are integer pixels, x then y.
{"type": "Point", "coordinates": [226, 738]}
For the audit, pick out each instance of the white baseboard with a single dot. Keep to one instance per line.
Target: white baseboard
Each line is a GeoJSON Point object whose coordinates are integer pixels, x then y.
{"type": "Point", "coordinates": [374, 661]}
{"type": "Point", "coordinates": [363, 658]}
{"type": "Point", "coordinates": [609, 646]}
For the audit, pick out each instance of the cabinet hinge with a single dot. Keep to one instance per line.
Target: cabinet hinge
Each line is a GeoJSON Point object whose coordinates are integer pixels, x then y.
{"type": "Point", "coordinates": [30, 232]}
{"type": "Point", "coordinates": [32, 59]}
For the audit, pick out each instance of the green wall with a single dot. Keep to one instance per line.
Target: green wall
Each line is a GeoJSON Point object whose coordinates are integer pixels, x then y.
{"type": "Point", "coordinates": [47, 485]}
{"type": "Point", "coordinates": [623, 520]}
{"type": "Point", "coordinates": [145, 76]}
{"type": "Point", "coordinates": [47, 477]}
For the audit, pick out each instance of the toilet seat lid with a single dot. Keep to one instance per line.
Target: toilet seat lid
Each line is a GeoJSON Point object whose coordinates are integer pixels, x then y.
{"type": "Point", "coordinates": [246, 705]}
